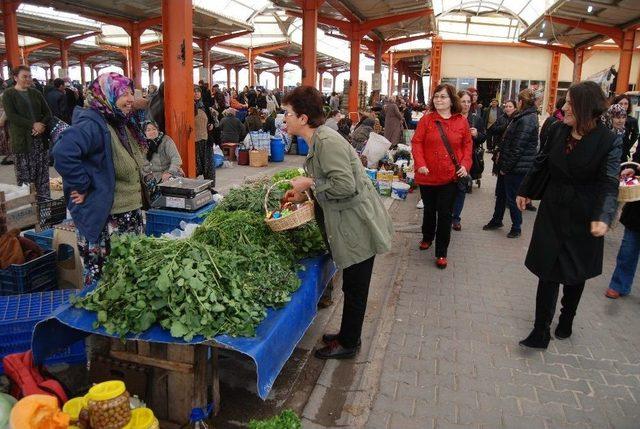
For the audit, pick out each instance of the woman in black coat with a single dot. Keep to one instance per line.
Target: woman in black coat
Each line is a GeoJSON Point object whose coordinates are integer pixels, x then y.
{"type": "Point", "coordinates": [517, 151]}
{"type": "Point", "coordinates": [630, 127]}
{"type": "Point", "coordinates": [576, 177]}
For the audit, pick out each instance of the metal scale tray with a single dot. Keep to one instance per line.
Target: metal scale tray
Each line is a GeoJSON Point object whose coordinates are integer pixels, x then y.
{"type": "Point", "coordinates": [184, 194]}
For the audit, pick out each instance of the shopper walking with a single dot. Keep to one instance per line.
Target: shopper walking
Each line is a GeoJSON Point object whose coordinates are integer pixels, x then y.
{"type": "Point", "coordinates": [557, 116]}
{"type": "Point", "coordinates": [576, 177]}
{"type": "Point", "coordinates": [204, 148]}
{"type": "Point", "coordinates": [478, 135]}
{"type": "Point", "coordinates": [99, 159]}
{"type": "Point", "coordinates": [28, 116]}
{"type": "Point", "coordinates": [349, 211]}
{"type": "Point", "coordinates": [490, 116]}
{"type": "Point", "coordinates": [517, 151]}
{"type": "Point", "coordinates": [497, 132]}
{"type": "Point", "coordinates": [437, 172]}
{"type": "Point", "coordinates": [393, 122]}
{"type": "Point", "coordinates": [631, 127]}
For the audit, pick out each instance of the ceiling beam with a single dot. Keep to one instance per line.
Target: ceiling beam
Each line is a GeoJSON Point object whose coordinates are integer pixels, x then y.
{"type": "Point", "coordinates": [615, 33]}
{"type": "Point", "coordinates": [219, 39]}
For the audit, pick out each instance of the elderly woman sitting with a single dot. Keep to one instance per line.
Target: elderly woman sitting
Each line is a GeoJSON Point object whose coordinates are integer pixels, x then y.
{"type": "Point", "coordinates": [360, 135]}
{"type": "Point", "coordinates": [231, 129]}
{"type": "Point", "coordinates": [162, 157]}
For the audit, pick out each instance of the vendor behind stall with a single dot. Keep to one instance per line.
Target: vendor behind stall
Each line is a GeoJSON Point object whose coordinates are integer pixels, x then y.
{"type": "Point", "coordinates": [163, 158]}
{"type": "Point", "coordinates": [100, 159]}
{"type": "Point", "coordinates": [349, 211]}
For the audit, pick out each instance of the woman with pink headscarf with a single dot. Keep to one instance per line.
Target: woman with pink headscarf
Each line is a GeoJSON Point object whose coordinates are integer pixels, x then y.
{"type": "Point", "coordinates": [100, 159]}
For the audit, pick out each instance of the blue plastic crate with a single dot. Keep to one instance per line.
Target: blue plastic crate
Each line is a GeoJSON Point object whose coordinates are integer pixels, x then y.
{"type": "Point", "coordinates": [38, 275]}
{"type": "Point", "coordinates": [161, 221]}
{"type": "Point", "coordinates": [20, 313]}
{"type": "Point", "coordinates": [44, 239]}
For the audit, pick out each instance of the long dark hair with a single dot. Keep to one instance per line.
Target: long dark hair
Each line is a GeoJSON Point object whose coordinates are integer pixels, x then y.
{"type": "Point", "coordinates": [621, 97]}
{"type": "Point", "coordinates": [456, 107]}
{"type": "Point", "coordinates": [588, 102]}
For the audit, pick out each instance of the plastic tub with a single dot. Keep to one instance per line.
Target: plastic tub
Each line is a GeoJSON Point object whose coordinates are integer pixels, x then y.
{"type": "Point", "coordinates": [399, 190]}
{"type": "Point", "coordinates": [37, 275]}
{"type": "Point", "coordinates": [303, 147]}
{"type": "Point", "coordinates": [108, 405]}
{"type": "Point", "coordinates": [160, 221]}
{"type": "Point", "coordinates": [277, 150]}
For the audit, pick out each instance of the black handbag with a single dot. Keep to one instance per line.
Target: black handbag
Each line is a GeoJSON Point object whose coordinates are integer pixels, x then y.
{"type": "Point", "coordinates": [464, 183]}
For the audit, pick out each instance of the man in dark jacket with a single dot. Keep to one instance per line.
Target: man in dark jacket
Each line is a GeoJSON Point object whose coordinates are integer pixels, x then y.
{"type": "Point", "coordinates": [207, 99]}
{"type": "Point", "coordinates": [57, 101]}
{"type": "Point", "coordinates": [252, 97]}
{"type": "Point", "coordinates": [218, 100]}
{"type": "Point", "coordinates": [518, 150]}
{"type": "Point", "coordinates": [491, 115]}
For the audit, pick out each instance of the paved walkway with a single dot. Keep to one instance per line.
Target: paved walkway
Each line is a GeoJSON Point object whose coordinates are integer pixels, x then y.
{"type": "Point", "coordinates": [453, 359]}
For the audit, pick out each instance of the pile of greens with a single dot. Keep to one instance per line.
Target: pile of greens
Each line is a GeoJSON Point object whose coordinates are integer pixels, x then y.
{"type": "Point", "coordinates": [251, 198]}
{"type": "Point", "coordinates": [221, 280]}
{"type": "Point", "coordinates": [286, 420]}
{"type": "Point", "coordinates": [287, 174]}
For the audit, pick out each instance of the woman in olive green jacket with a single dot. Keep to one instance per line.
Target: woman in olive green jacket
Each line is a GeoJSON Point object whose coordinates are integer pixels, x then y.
{"type": "Point", "coordinates": [352, 216]}
{"type": "Point", "coordinates": [28, 115]}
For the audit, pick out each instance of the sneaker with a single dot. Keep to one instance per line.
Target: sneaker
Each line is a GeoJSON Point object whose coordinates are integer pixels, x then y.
{"type": "Point", "coordinates": [424, 245]}
{"type": "Point", "coordinates": [420, 204]}
{"type": "Point", "coordinates": [456, 227]}
{"type": "Point", "coordinates": [441, 263]}
{"type": "Point", "coordinates": [514, 234]}
{"type": "Point", "coordinates": [610, 293]}
{"type": "Point", "coordinates": [492, 225]}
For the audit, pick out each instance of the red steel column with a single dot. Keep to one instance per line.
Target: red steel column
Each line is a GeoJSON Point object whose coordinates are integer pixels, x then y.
{"type": "Point", "coordinates": [626, 55]}
{"type": "Point", "coordinates": [309, 39]}
{"type": "Point", "coordinates": [436, 62]}
{"type": "Point", "coordinates": [136, 56]}
{"type": "Point", "coordinates": [237, 70]}
{"type": "Point", "coordinates": [251, 59]}
{"type": "Point", "coordinates": [11, 32]}
{"type": "Point", "coordinates": [64, 60]}
{"type": "Point", "coordinates": [390, 82]}
{"type": "Point", "coordinates": [206, 60]}
{"type": "Point", "coordinates": [228, 67]}
{"type": "Point", "coordinates": [82, 78]}
{"type": "Point", "coordinates": [177, 54]}
{"type": "Point", "coordinates": [377, 69]}
{"type": "Point", "coordinates": [320, 84]}
{"type": "Point", "coordinates": [400, 78]}
{"type": "Point", "coordinates": [577, 65]}
{"type": "Point", "coordinates": [334, 75]}
{"type": "Point", "coordinates": [554, 77]}
{"type": "Point", "coordinates": [354, 72]}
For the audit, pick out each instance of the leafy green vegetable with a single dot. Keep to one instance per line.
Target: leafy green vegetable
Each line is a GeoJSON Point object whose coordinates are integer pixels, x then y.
{"type": "Point", "coordinates": [286, 420]}
{"type": "Point", "coordinates": [251, 198]}
{"type": "Point", "coordinates": [287, 174]}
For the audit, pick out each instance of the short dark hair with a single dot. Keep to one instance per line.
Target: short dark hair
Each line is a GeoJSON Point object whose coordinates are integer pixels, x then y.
{"type": "Point", "coordinates": [57, 83]}
{"type": "Point", "coordinates": [512, 101]}
{"type": "Point", "coordinates": [333, 113]}
{"type": "Point", "coordinates": [588, 102]}
{"type": "Point", "coordinates": [456, 107]}
{"type": "Point", "coordinates": [16, 70]}
{"type": "Point", "coordinates": [306, 100]}
{"type": "Point", "coordinates": [621, 97]}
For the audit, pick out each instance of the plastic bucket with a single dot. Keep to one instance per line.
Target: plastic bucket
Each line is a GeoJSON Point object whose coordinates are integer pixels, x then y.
{"type": "Point", "coordinates": [303, 147]}
{"type": "Point", "coordinates": [277, 150]}
{"type": "Point", "coordinates": [371, 173]}
{"type": "Point", "coordinates": [399, 190]}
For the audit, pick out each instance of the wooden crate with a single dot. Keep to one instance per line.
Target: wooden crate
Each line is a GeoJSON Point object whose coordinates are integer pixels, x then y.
{"type": "Point", "coordinates": [182, 377]}
{"type": "Point", "coordinates": [22, 219]}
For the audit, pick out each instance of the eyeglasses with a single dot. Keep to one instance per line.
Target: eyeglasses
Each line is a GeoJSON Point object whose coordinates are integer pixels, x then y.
{"type": "Point", "coordinates": [440, 97]}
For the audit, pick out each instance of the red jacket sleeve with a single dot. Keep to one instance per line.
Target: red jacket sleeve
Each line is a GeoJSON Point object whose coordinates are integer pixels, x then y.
{"type": "Point", "coordinates": [417, 144]}
{"type": "Point", "coordinates": [467, 148]}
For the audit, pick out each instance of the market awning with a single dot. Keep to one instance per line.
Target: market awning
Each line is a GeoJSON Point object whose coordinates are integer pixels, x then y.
{"type": "Point", "coordinates": [43, 26]}
{"type": "Point", "coordinates": [582, 23]}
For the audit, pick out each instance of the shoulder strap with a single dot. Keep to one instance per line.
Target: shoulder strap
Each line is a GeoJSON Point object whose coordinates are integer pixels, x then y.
{"type": "Point", "coordinates": [445, 140]}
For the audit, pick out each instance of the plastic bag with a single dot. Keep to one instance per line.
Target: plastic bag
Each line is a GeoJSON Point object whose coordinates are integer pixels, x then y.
{"type": "Point", "coordinates": [375, 149]}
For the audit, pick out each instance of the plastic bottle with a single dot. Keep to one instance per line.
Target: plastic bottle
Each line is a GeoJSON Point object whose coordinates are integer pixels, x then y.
{"type": "Point", "coordinates": [196, 420]}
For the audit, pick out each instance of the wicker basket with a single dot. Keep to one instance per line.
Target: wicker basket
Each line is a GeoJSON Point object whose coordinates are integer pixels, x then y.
{"type": "Point", "coordinates": [629, 194]}
{"type": "Point", "coordinates": [304, 214]}
{"type": "Point", "coordinates": [258, 158]}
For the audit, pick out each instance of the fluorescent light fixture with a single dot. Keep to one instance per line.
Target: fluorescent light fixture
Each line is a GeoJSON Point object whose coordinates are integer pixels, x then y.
{"type": "Point", "coordinates": [541, 34]}
{"type": "Point", "coordinates": [544, 24]}
{"type": "Point", "coordinates": [589, 9]}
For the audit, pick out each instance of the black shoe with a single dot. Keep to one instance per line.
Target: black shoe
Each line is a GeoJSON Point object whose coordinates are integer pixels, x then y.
{"type": "Point", "coordinates": [514, 234]}
{"type": "Point", "coordinates": [531, 208]}
{"type": "Point", "coordinates": [492, 225]}
{"type": "Point", "coordinates": [537, 339]}
{"type": "Point", "coordinates": [564, 329]}
{"type": "Point", "coordinates": [328, 338]}
{"type": "Point", "coordinates": [334, 350]}
{"type": "Point", "coordinates": [6, 161]}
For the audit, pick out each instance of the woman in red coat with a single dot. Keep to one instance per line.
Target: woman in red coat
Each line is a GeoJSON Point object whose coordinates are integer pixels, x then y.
{"type": "Point", "coordinates": [435, 170]}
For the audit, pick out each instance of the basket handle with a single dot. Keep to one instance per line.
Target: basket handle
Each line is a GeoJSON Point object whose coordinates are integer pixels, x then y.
{"type": "Point", "coordinates": [635, 164]}
{"type": "Point", "coordinates": [266, 197]}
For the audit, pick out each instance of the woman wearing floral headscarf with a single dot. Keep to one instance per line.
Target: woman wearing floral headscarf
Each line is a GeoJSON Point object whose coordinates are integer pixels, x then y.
{"type": "Point", "coordinates": [100, 159]}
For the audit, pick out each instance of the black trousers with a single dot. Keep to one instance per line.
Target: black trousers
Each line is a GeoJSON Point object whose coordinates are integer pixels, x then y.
{"type": "Point", "coordinates": [355, 285]}
{"type": "Point", "coordinates": [438, 211]}
{"type": "Point", "coordinates": [204, 160]}
{"type": "Point", "coordinates": [547, 297]}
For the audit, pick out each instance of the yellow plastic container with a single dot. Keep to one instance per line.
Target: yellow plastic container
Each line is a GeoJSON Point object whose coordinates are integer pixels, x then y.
{"type": "Point", "coordinates": [143, 418]}
{"type": "Point", "coordinates": [108, 405]}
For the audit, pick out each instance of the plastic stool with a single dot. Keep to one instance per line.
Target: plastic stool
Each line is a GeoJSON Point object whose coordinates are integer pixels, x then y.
{"type": "Point", "coordinates": [229, 150]}
{"type": "Point", "coordinates": [72, 269]}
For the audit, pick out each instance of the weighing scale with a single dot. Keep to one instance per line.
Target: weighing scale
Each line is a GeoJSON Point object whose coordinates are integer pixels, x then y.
{"type": "Point", "coordinates": [181, 193]}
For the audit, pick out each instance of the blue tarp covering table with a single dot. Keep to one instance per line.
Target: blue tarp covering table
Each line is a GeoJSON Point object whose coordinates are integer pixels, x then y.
{"type": "Point", "coordinates": [275, 340]}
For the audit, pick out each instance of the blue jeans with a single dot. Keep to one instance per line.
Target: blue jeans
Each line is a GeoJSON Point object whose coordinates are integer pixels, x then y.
{"type": "Point", "coordinates": [506, 192]}
{"type": "Point", "coordinates": [626, 263]}
{"type": "Point", "coordinates": [458, 205]}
